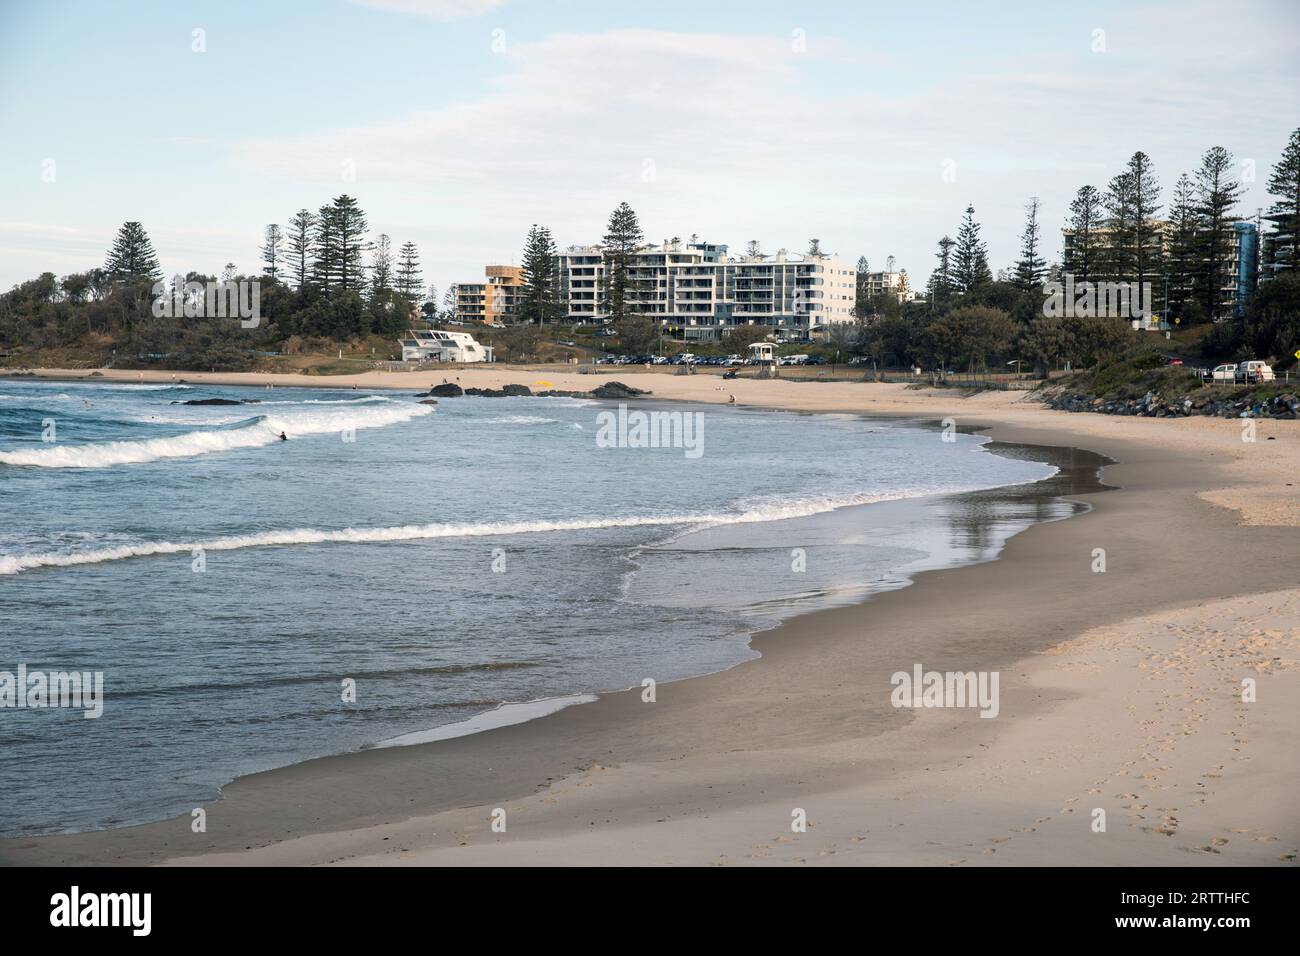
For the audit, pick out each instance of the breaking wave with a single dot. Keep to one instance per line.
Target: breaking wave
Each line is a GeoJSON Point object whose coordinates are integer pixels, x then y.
{"type": "Point", "coordinates": [260, 431]}
{"type": "Point", "coordinates": [14, 564]}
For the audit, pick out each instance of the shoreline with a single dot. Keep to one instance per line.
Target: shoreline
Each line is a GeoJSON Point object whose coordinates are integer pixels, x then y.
{"type": "Point", "coordinates": [802, 722]}
{"type": "Point", "coordinates": [1067, 479]}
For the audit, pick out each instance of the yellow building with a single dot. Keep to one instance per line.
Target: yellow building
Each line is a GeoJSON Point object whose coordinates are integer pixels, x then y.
{"type": "Point", "coordinates": [496, 301]}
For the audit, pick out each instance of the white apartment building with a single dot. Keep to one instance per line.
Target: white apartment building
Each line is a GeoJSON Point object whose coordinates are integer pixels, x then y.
{"type": "Point", "coordinates": [698, 292]}
{"type": "Point", "coordinates": [879, 284]}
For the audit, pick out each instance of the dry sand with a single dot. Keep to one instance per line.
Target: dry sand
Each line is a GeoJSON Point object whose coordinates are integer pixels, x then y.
{"type": "Point", "coordinates": [1121, 692]}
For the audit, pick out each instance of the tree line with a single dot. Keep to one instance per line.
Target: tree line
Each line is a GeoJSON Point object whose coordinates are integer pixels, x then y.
{"type": "Point", "coordinates": [323, 278]}
{"type": "Point", "coordinates": [971, 319]}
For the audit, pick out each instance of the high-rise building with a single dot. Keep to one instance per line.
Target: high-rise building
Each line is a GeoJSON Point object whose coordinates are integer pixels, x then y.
{"type": "Point", "coordinates": [1245, 274]}
{"type": "Point", "coordinates": [696, 291]}
{"type": "Point", "coordinates": [1240, 275]}
{"type": "Point", "coordinates": [878, 284]}
{"type": "Point", "coordinates": [495, 301]}
{"type": "Point", "coordinates": [1277, 246]}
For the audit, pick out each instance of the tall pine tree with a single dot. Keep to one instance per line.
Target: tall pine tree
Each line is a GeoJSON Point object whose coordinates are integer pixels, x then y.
{"type": "Point", "coordinates": [302, 228]}
{"type": "Point", "coordinates": [1218, 193]}
{"type": "Point", "coordinates": [970, 256]}
{"type": "Point", "coordinates": [381, 266]}
{"type": "Point", "coordinates": [409, 277]}
{"type": "Point", "coordinates": [1117, 255]}
{"type": "Point", "coordinates": [1182, 265]}
{"type": "Point", "coordinates": [272, 252]}
{"type": "Point", "coordinates": [1082, 252]}
{"type": "Point", "coordinates": [1284, 185]}
{"type": "Point", "coordinates": [622, 238]}
{"type": "Point", "coordinates": [541, 300]}
{"type": "Point", "coordinates": [1032, 267]}
{"type": "Point", "coordinates": [942, 283]}
{"type": "Point", "coordinates": [1146, 238]}
{"type": "Point", "coordinates": [339, 245]}
{"type": "Point", "coordinates": [132, 257]}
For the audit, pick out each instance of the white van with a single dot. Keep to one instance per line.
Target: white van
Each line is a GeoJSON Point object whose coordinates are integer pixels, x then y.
{"type": "Point", "coordinates": [1254, 372]}
{"type": "Point", "coordinates": [1224, 373]}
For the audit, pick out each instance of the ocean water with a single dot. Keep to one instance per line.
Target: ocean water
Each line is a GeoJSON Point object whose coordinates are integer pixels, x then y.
{"type": "Point", "coordinates": [445, 560]}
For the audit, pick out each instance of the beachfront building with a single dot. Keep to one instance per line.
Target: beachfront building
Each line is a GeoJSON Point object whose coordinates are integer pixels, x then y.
{"type": "Point", "coordinates": [1240, 276]}
{"type": "Point", "coordinates": [1277, 246]}
{"type": "Point", "coordinates": [495, 300]}
{"type": "Point", "coordinates": [877, 285]}
{"type": "Point", "coordinates": [435, 345]}
{"type": "Point", "coordinates": [696, 291]}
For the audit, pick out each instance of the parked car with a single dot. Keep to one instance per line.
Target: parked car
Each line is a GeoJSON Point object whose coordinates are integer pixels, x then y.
{"type": "Point", "coordinates": [1224, 373]}
{"type": "Point", "coordinates": [1254, 372]}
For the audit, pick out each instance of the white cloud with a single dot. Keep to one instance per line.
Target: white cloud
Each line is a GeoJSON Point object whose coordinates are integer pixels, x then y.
{"type": "Point", "coordinates": [740, 137]}
{"type": "Point", "coordinates": [435, 9]}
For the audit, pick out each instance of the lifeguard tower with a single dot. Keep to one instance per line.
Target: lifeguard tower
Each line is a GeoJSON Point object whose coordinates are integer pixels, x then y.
{"type": "Point", "coordinates": [763, 355]}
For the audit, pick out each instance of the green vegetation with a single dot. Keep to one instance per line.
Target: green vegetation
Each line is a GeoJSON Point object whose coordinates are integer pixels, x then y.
{"type": "Point", "coordinates": [327, 288]}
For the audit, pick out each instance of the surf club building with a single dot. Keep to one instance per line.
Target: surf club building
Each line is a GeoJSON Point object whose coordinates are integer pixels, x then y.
{"type": "Point", "coordinates": [434, 345]}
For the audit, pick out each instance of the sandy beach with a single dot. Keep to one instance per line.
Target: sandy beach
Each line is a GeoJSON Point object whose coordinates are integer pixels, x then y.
{"type": "Point", "coordinates": [1121, 692]}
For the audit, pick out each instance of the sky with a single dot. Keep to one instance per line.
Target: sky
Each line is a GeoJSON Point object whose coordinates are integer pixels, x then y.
{"type": "Point", "coordinates": [459, 123]}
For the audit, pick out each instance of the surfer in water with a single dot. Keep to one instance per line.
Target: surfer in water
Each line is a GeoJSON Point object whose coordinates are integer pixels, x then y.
{"type": "Point", "coordinates": [283, 437]}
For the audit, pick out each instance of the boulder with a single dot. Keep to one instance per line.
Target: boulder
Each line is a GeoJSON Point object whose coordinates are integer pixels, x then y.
{"type": "Point", "coordinates": [517, 390]}
{"type": "Point", "coordinates": [446, 390]}
{"type": "Point", "coordinates": [617, 390]}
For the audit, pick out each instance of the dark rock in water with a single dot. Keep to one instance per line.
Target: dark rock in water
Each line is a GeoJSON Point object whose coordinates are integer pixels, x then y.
{"type": "Point", "coordinates": [429, 401]}
{"type": "Point", "coordinates": [446, 390]}
{"type": "Point", "coordinates": [617, 390]}
{"type": "Point", "coordinates": [517, 390]}
{"type": "Point", "coordinates": [220, 401]}
{"type": "Point", "coordinates": [485, 392]}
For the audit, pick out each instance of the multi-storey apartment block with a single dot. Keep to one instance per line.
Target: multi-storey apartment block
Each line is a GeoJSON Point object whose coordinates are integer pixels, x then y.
{"type": "Point", "coordinates": [494, 301]}
{"type": "Point", "coordinates": [1278, 246]}
{"type": "Point", "coordinates": [878, 284]}
{"type": "Point", "coordinates": [698, 292]}
{"type": "Point", "coordinates": [1240, 274]}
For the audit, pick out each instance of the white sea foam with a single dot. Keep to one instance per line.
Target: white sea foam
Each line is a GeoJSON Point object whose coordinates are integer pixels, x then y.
{"type": "Point", "coordinates": [14, 564]}
{"type": "Point", "coordinates": [361, 400]}
{"type": "Point", "coordinates": [518, 420]}
{"type": "Point", "coordinates": [505, 715]}
{"type": "Point", "coordinates": [261, 432]}
{"type": "Point", "coordinates": [132, 387]}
